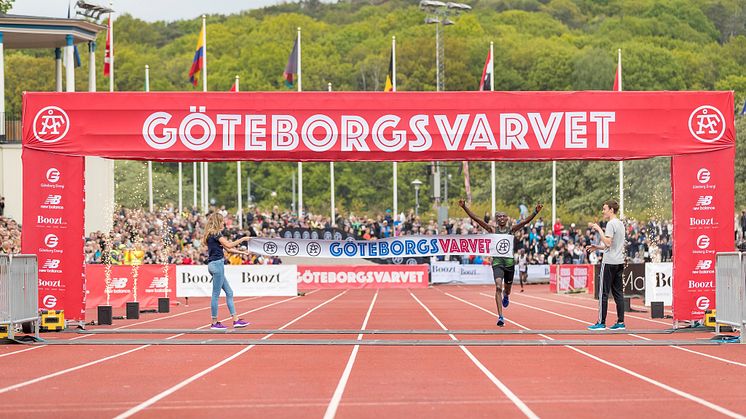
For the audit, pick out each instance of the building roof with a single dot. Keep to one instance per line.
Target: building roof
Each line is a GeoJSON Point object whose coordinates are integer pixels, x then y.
{"type": "Point", "coordinates": [28, 32]}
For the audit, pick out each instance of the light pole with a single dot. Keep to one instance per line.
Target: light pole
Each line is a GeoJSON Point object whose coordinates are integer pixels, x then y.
{"type": "Point", "coordinates": [416, 183]}
{"type": "Point", "coordinates": [438, 13]}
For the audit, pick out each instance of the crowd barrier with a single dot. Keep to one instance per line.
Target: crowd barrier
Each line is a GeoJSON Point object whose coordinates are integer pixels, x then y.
{"type": "Point", "coordinates": [19, 292]}
{"type": "Point", "coordinates": [451, 272]}
{"type": "Point", "coordinates": [730, 293]}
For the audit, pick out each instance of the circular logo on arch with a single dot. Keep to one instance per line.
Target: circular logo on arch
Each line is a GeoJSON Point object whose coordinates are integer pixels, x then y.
{"type": "Point", "coordinates": [707, 124]}
{"type": "Point", "coordinates": [51, 124]}
{"type": "Point", "coordinates": [502, 247]}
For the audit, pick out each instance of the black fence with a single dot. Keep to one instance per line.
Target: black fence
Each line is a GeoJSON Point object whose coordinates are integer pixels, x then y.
{"type": "Point", "coordinates": [13, 132]}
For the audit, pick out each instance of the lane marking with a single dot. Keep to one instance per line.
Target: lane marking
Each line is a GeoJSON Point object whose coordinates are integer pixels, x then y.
{"type": "Point", "coordinates": [656, 383]}
{"type": "Point", "coordinates": [208, 370]}
{"type": "Point", "coordinates": [331, 409]}
{"type": "Point", "coordinates": [516, 401]}
{"type": "Point", "coordinates": [98, 361]}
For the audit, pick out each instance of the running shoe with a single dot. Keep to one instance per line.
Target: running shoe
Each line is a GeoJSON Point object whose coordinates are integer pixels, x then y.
{"type": "Point", "coordinates": [506, 300]}
{"type": "Point", "coordinates": [617, 326]}
{"type": "Point", "coordinates": [500, 321]}
{"type": "Point", "coordinates": [218, 326]}
{"type": "Point", "coordinates": [240, 323]}
{"type": "Point", "coordinates": [597, 326]}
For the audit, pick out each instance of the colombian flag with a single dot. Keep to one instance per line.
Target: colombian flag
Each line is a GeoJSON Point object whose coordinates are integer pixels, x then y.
{"type": "Point", "coordinates": [199, 59]}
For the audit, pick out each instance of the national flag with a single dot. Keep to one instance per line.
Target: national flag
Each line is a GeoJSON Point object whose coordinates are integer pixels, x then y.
{"type": "Point", "coordinates": [199, 58]}
{"type": "Point", "coordinates": [389, 87]}
{"type": "Point", "coordinates": [109, 52]}
{"type": "Point", "coordinates": [234, 87]}
{"type": "Point", "coordinates": [292, 65]}
{"type": "Point", "coordinates": [486, 80]}
{"type": "Point", "coordinates": [618, 75]}
{"type": "Point", "coordinates": [743, 111]}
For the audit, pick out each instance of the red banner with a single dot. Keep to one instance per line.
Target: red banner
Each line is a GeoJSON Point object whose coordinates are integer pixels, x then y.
{"type": "Point", "coordinates": [569, 278]}
{"type": "Point", "coordinates": [53, 228]}
{"type": "Point", "coordinates": [355, 126]}
{"type": "Point", "coordinates": [153, 282]}
{"type": "Point", "coordinates": [703, 194]}
{"type": "Point", "coordinates": [363, 276]}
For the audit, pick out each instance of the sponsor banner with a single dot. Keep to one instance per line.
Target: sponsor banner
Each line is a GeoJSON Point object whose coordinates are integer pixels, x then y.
{"type": "Point", "coordinates": [500, 245]}
{"type": "Point", "coordinates": [536, 274]}
{"type": "Point", "coordinates": [153, 282]}
{"type": "Point", "coordinates": [570, 278]}
{"type": "Point", "coordinates": [633, 280]}
{"type": "Point", "coordinates": [53, 227]}
{"type": "Point", "coordinates": [362, 276]}
{"type": "Point", "coordinates": [659, 283]}
{"type": "Point", "coordinates": [456, 273]}
{"type": "Point", "coordinates": [703, 191]}
{"type": "Point", "coordinates": [358, 126]}
{"type": "Point", "coordinates": [245, 280]}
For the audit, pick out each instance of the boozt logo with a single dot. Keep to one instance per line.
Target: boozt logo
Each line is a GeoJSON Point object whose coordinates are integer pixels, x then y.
{"type": "Point", "coordinates": [703, 303]}
{"type": "Point", "coordinates": [187, 278]}
{"type": "Point", "coordinates": [53, 175]}
{"type": "Point", "coordinates": [701, 221]}
{"type": "Point", "coordinates": [51, 124]}
{"type": "Point", "coordinates": [51, 241]}
{"type": "Point", "coordinates": [49, 301]}
{"type": "Point", "coordinates": [701, 284]}
{"type": "Point", "coordinates": [49, 220]}
{"type": "Point", "coordinates": [49, 283]}
{"type": "Point", "coordinates": [51, 264]}
{"type": "Point", "coordinates": [707, 124]}
{"type": "Point", "coordinates": [703, 175]}
{"type": "Point", "coordinates": [703, 242]}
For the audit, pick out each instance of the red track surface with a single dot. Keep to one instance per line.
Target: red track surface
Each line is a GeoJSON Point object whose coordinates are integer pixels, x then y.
{"type": "Point", "coordinates": [379, 381]}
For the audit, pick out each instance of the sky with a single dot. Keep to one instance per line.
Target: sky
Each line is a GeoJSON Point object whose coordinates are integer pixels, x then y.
{"type": "Point", "coordinates": [148, 10]}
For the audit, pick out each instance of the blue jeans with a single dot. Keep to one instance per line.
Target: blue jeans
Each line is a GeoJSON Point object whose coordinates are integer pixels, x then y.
{"type": "Point", "coordinates": [217, 270]}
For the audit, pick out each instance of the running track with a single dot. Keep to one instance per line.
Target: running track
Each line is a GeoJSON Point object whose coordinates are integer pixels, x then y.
{"type": "Point", "coordinates": [363, 381]}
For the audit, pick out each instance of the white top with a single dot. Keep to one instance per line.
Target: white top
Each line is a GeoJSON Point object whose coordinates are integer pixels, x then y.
{"type": "Point", "coordinates": [614, 254]}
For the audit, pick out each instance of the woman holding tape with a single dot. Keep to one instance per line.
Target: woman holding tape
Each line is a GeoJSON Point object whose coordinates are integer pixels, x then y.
{"type": "Point", "coordinates": [217, 244]}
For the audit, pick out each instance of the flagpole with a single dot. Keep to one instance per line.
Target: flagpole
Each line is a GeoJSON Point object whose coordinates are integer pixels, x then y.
{"type": "Point", "coordinates": [331, 179]}
{"type": "Point", "coordinates": [621, 162]}
{"type": "Point", "coordinates": [554, 193]}
{"type": "Point", "coordinates": [181, 207]}
{"type": "Point", "coordinates": [150, 163]}
{"type": "Point", "coordinates": [300, 164]}
{"type": "Point", "coordinates": [194, 182]}
{"type": "Point", "coordinates": [395, 165]}
{"type": "Point", "coordinates": [205, 165]}
{"type": "Point", "coordinates": [239, 188]}
{"type": "Point", "coordinates": [492, 163]}
{"type": "Point", "coordinates": [111, 51]}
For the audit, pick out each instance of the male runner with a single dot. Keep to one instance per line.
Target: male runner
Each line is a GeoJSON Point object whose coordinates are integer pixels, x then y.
{"type": "Point", "coordinates": [503, 268]}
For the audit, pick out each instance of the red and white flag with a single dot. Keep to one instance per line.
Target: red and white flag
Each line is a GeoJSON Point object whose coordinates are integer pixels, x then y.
{"type": "Point", "coordinates": [109, 52]}
{"type": "Point", "coordinates": [618, 75]}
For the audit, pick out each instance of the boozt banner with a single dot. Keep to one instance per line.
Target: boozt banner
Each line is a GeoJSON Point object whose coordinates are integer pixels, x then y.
{"type": "Point", "coordinates": [53, 227]}
{"type": "Point", "coordinates": [658, 280]}
{"type": "Point", "coordinates": [456, 273]}
{"type": "Point", "coordinates": [245, 280]}
{"type": "Point", "coordinates": [153, 282]}
{"type": "Point", "coordinates": [499, 245]}
{"type": "Point", "coordinates": [362, 276]}
{"type": "Point", "coordinates": [703, 193]}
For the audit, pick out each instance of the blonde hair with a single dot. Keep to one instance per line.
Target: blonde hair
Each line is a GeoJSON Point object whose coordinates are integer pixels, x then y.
{"type": "Point", "coordinates": [214, 224]}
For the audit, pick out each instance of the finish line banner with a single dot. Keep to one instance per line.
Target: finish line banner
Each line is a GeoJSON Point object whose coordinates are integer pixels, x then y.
{"type": "Point", "coordinates": [496, 245]}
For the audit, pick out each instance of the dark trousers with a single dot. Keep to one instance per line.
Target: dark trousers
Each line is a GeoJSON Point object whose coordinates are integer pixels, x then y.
{"type": "Point", "coordinates": [611, 281]}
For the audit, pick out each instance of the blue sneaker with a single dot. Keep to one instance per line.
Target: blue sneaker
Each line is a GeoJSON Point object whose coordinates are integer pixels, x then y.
{"type": "Point", "coordinates": [597, 326]}
{"type": "Point", "coordinates": [506, 300]}
{"type": "Point", "coordinates": [617, 326]}
{"type": "Point", "coordinates": [500, 321]}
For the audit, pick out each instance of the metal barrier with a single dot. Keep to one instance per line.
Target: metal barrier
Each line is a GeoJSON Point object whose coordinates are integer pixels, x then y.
{"type": "Point", "coordinates": [730, 294]}
{"type": "Point", "coordinates": [19, 292]}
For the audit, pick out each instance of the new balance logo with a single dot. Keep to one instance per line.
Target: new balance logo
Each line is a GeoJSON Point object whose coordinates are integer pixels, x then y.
{"type": "Point", "coordinates": [159, 283]}
{"type": "Point", "coordinates": [51, 264]}
{"type": "Point", "coordinates": [703, 265]}
{"type": "Point", "coordinates": [704, 200]}
{"type": "Point", "coordinates": [118, 283]}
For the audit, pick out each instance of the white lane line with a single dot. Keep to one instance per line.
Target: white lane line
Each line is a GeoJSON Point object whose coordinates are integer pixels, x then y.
{"type": "Point", "coordinates": [656, 383]}
{"type": "Point", "coordinates": [208, 370]}
{"type": "Point", "coordinates": [727, 361]}
{"type": "Point", "coordinates": [593, 308]}
{"type": "Point", "coordinates": [98, 361]}
{"type": "Point", "coordinates": [331, 409]}
{"type": "Point", "coordinates": [516, 401]}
